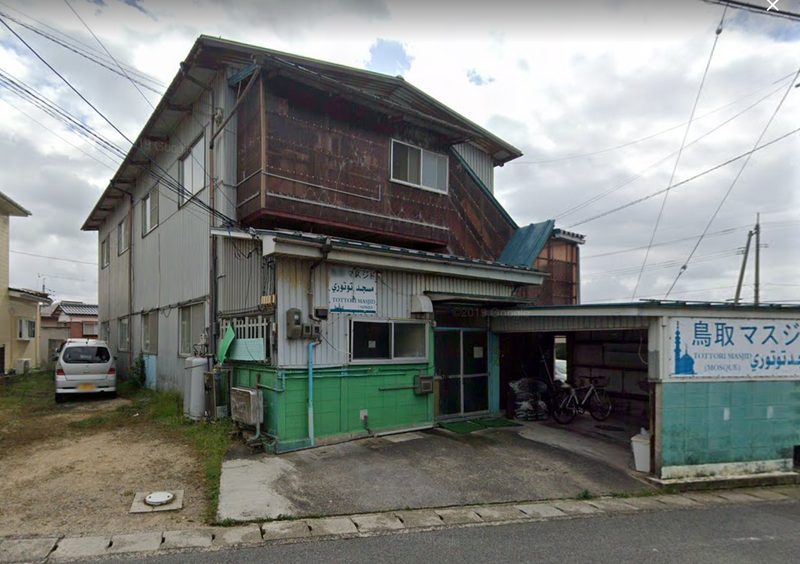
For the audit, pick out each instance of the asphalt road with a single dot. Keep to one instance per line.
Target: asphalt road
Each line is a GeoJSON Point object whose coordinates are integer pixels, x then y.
{"type": "Point", "coordinates": [758, 533]}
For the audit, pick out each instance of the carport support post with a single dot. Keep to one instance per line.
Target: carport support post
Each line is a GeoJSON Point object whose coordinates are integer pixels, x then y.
{"type": "Point", "coordinates": [494, 373]}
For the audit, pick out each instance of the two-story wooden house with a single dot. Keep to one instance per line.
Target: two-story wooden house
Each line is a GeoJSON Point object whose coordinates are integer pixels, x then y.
{"type": "Point", "coordinates": [341, 222]}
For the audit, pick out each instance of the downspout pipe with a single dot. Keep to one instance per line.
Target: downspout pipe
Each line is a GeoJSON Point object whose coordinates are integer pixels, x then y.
{"type": "Point", "coordinates": [311, 346]}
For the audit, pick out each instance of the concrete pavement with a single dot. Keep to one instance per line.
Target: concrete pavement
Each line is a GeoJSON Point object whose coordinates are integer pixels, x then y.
{"type": "Point", "coordinates": [432, 468]}
{"type": "Point", "coordinates": [15, 551]}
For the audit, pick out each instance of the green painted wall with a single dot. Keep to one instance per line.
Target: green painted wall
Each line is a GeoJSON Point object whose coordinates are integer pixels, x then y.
{"type": "Point", "coordinates": [763, 421]}
{"type": "Point", "coordinates": [339, 396]}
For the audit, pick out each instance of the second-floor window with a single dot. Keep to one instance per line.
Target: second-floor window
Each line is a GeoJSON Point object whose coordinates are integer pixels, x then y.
{"type": "Point", "coordinates": [26, 329]}
{"type": "Point", "coordinates": [150, 212]}
{"type": "Point", "coordinates": [123, 235]}
{"type": "Point", "coordinates": [105, 252]}
{"type": "Point", "coordinates": [418, 167]}
{"type": "Point", "coordinates": [192, 170]}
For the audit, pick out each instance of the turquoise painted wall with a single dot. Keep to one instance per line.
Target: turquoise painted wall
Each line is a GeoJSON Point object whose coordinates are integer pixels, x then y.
{"type": "Point", "coordinates": [763, 421]}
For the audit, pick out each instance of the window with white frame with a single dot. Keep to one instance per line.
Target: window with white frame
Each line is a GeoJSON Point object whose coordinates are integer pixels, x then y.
{"type": "Point", "coordinates": [192, 170]}
{"type": "Point", "coordinates": [192, 324]}
{"type": "Point", "coordinates": [150, 332]}
{"type": "Point", "coordinates": [105, 252]}
{"type": "Point", "coordinates": [123, 338]}
{"type": "Point", "coordinates": [26, 329]}
{"type": "Point", "coordinates": [389, 340]}
{"type": "Point", "coordinates": [105, 331]}
{"type": "Point", "coordinates": [418, 167]}
{"type": "Point", "coordinates": [150, 212]}
{"type": "Point", "coordinates": [123, 235]}
{"type": "Point", "coordinates": [90, 328]}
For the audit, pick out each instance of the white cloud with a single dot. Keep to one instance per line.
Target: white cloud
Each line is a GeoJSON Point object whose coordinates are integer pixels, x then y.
{"type": "Point", "coordinates": [568, 78]}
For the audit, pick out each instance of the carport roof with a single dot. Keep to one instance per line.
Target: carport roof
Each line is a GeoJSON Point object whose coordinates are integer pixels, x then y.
{"type": "Point", "coordinates": [652, 308]}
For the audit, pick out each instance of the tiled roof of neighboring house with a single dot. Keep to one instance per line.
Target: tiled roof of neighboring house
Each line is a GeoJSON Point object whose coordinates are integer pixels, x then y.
{"type": "Point", "coordinates": [10, 207]}
{"type": "Point", "coordinates": [79, 308]}
{"type": "Point", "coordinates": [30, 294]}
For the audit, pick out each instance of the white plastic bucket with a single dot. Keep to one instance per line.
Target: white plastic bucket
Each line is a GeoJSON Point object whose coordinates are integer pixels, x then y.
{"type": "Point", "coordinates": [641, 452]}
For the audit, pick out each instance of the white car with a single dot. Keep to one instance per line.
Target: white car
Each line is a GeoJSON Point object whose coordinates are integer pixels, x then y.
{"type": "Point", "coordinates": [85, 366]}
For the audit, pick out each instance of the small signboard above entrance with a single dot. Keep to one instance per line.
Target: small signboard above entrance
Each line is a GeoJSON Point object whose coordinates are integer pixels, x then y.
{"type": "Point", "coordinates": [353, 290]}
{"type": "Point", "coordinates": [730, 348]}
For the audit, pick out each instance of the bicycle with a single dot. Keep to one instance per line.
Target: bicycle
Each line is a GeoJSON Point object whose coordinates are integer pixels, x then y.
{"type": "Point", "coordinates": [565, 404]}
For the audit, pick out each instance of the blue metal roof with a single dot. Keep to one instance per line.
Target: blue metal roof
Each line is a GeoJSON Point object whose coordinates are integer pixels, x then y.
{"type": "Point", "coordinates": [527, 243]}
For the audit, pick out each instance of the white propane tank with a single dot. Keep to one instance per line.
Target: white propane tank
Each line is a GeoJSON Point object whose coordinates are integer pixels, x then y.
{"type": "Point", "coordinates": [194, 368]}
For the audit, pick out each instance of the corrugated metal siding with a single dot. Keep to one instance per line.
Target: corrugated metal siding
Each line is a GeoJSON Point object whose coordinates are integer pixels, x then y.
{"type": "Point", "coordinates": [395, 290]}
{"type": "Point", "coordinates": [171, 262]}
{"type": "Point", "coordinates": [239, 270]}
{"type": "Point", "coordinates": [479, 161]}
{"type": "Point", "coordinates": [545, 323]}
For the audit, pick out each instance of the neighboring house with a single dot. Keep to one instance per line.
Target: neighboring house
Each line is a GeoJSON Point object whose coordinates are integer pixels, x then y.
{"type": "Point", "coordinates": [369, 218]}
{"type": "Point", "coordinates": [19, 308]}
{"type": "Point", "coordinates": [64, 320]}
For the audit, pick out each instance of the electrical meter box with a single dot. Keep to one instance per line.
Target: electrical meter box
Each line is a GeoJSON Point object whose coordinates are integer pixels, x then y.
{"type": "Point", "coordinates": [294, 325]}
{"type": "Point", "coordinates": [423, 384]}
{"type": "Point", "coordinates": [306, 330]}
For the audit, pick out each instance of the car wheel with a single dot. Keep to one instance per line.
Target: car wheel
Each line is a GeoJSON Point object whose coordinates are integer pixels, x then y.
{"type": "Point", "coordinates": [60, 398]}
{"type": "Point", "coordinates": [112, 395]}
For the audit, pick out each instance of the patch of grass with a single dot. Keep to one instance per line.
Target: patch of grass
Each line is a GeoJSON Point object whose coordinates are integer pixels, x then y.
{"type": "Point", "coordinates": [27, 406]}
{"type": "Point", "coordinates": [585, 494]}
{"type": "Point", "coordinates": [621, 495]}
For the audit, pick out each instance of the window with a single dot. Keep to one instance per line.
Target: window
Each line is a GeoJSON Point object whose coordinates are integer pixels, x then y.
{"type": "Point", "coordinates": [390, 340]}
{"type": "Point", "coordinates": [90, 329]}
{"type": "Point", "coordinates": [123, 235]}
{"type": "Point", "coordinates": [150, 332]}
{"type": "Point", "coordinates": [192, 324]}
{"type": "Point", "coordinates": [192, 170]}
{"type": "Point", "coordinates": [105, 333]}
{"type": "Point", "coordinates": [150, 212]}
{"type": "Point", "coordinates": [418, 167]}
{"type": "Point", "coordinates": [86, 355]}
{"type": "Point", "coordinates": [122, 337]}
{"type": "Point", "coordinates": [105, 252]}
{"type": "Point", "coordinates": [26, 329]}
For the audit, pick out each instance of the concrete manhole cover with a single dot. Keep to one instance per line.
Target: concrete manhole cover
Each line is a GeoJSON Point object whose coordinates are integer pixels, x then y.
{"type": "Point", "coordinates": [158, 498]}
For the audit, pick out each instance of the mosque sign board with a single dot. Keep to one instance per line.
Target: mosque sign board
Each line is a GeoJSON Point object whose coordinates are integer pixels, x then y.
{"type": "Point", "coordinates": [734, 348]}
{"type": "Point", "coordinates": [353, 290]}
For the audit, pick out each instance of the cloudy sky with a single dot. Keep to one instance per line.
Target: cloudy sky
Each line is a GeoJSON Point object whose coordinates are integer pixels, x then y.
{"type": "Point", "coordinates": [596, 94]}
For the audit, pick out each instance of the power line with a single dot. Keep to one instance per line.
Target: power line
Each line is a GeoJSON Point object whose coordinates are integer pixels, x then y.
{"type": "Point", "coordinates": [665, 159]}
{"type": "Point", "coordinates": [657, 295]}
{"type": "Point", "coordinates": [653, 135]}
{"type": "Point", "coordinates": [57, 135]}
{"type": "Point", "coordinates": [688, 180]}
{"type": "Point", "coordinates": [756, 9]}
{"type": "Point", "coordinates": [53, 258]}
{"type": "Point", "coordinates": [182, 190]}
{"type": "Point", "coordinates": [680, 152]}
{"type": "Point", "coordinates": [733, 184]}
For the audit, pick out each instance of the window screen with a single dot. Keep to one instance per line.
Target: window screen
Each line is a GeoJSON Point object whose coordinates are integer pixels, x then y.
{"type": "Point", "coordinates": [409, 340]}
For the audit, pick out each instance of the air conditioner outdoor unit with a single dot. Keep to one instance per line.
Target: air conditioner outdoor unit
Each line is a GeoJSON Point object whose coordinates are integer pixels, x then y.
{"type": "Point", "coordinates": [247, 405]}
{"type": "Point", "coordinates": [23, 365]}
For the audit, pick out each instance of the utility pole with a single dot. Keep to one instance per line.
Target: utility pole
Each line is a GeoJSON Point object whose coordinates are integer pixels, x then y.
{"type": "Point", "coordinates": [744, 267]}
{"type": "Point", "coordinates": [758, 259]}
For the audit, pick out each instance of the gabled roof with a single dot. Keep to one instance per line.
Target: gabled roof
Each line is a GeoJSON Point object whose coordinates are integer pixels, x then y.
{"type": "Point", "coordinates": [78, 308]}
{"type": "Point", "coordinates": [32, 295]}
{"type": "Point", "coordinates": [387, 94]}
{"type": "Point", "coordinates": [12, 208]}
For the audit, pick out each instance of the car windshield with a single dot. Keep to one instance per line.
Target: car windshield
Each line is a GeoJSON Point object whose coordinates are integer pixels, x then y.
{"type": "Point", "coordinates": [86, 355]}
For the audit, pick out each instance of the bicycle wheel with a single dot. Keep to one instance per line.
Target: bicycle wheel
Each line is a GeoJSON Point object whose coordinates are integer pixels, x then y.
{"type": "Point", "coordinates": [563, 407]}
{"type": "Point", "coordinates": [600, 405]}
